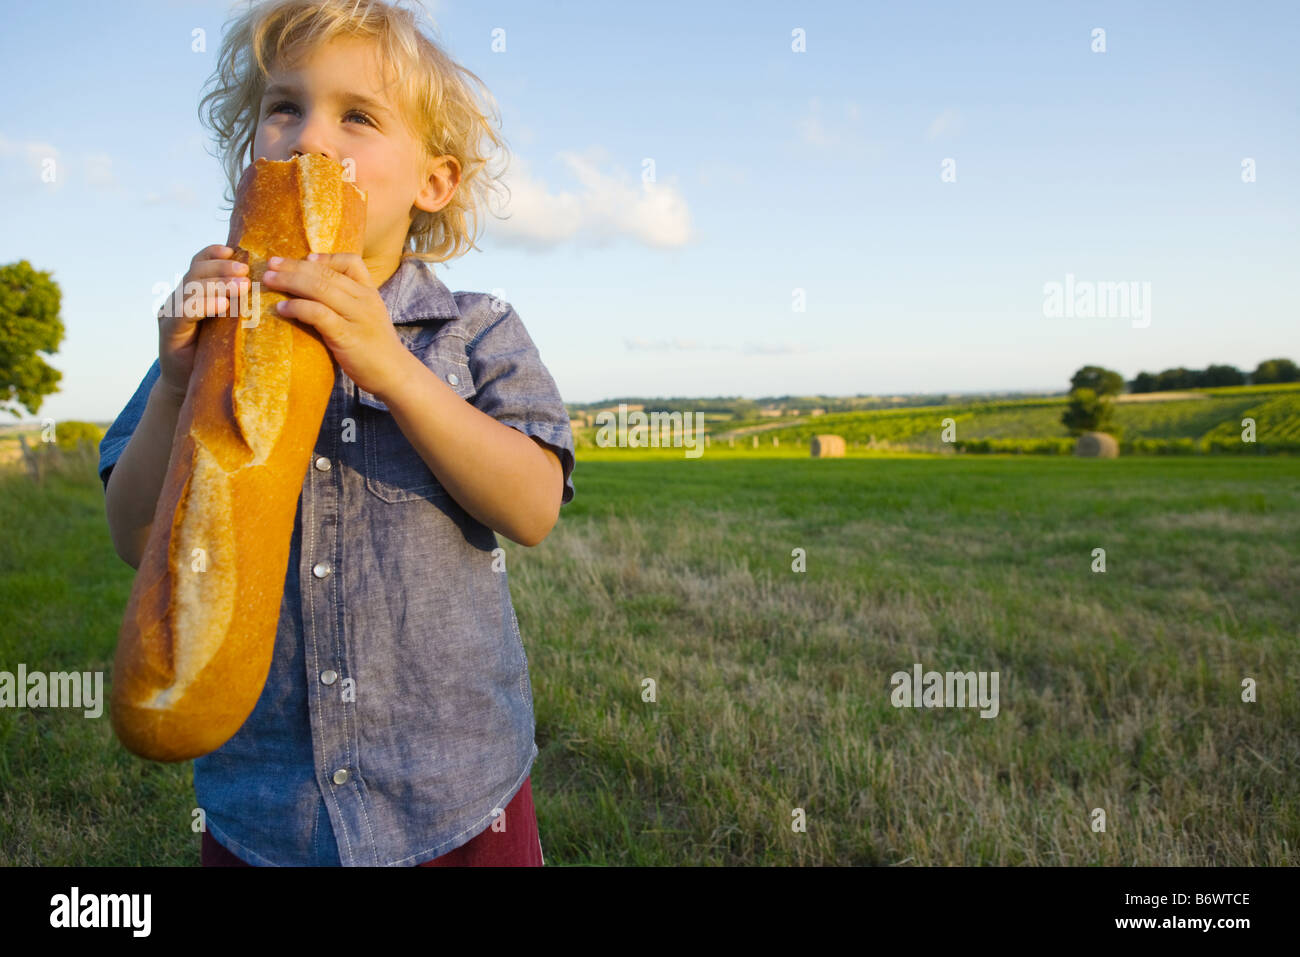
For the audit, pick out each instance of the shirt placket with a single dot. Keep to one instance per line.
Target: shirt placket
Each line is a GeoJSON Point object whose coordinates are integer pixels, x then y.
{"type": "Point", "coordinates": [331, 706]}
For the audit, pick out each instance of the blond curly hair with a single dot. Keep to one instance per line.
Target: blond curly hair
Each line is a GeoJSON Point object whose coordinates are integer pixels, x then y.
{"type": "Point", "coordinates": [437, 94]}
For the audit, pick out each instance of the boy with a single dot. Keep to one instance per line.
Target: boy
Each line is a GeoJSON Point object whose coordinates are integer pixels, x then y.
{"type": "Point", "coordinates": [396, 724]}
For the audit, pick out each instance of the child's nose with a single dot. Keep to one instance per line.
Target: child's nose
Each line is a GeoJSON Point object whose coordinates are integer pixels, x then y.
{"type": "Point", "coordinates": [311, 139]}
{"type": "Point", "coordinates": [326, 152]}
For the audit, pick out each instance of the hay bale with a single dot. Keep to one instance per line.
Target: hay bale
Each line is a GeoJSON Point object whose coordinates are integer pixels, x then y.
{"type": "Point", "coordinates": [827, 446]}
{"type": "Point", "coordinates": [1097, 445]}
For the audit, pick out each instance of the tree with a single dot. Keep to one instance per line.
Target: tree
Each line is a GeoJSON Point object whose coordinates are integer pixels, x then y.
{"type": "Point", "coordinates": [69, 434]}
{"type": "Point", "coordinates": [29, 323]}
{"type": "Point", "coordinates": [1087, 412]}
{"type": "Point", "coordinates": [1143, 382]}
{"type": "Point", "coordinates": [1220, 375]}
{"type": "Point", "coordinates": [1098, 380]}
{"type": "Point", "coordinates": [1276, 370]}
{"type": "Point", "coordinates": [1172, 379]}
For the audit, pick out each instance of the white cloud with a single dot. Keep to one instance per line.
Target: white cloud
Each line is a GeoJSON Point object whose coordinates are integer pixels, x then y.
{"type": "Point", "coordinates": [93, 170]}
{"type": "Point", "coordinates": [33, 154]}
{"type": "Point", "coordinates": [945, 123]}
{"type": "Point", "coordinates": [773, 348]}
{"type": "Point", "coordinates": [99, 171]}
{"type": "Point", "coordinates": [639, 344]}
{"type": "Point", "coordinates": [722, 173]}
{"type": "Point", "coordinates": [607, 204]}
{"type": "Point", "coordinates": [816, 130]}
{"type": "Point", "coordinates": [175, 195]}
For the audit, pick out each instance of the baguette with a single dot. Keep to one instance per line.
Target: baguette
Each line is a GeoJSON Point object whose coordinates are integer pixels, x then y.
{"type": "Point", "coordinates": [199, 630]}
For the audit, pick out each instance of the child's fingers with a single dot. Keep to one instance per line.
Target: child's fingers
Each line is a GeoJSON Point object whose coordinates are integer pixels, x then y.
{"type": "Point", "coordinates": [213, 304]}
{"type": "Point", "coordinates": [217, 268]}
{"type": "Point", "coordinates": [218, 282]}
{"type": "Point", "coordinates": [210, 283]}
{"type": "Point", "coordinates": [212, 252]}
{"type": "Point", "coordinates": [217, 296]}
{"type": "Point", "coordinates": [211, 296]}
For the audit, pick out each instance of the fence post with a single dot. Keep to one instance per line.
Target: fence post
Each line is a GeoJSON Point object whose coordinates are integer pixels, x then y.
{"type": "Point", "coordinates": [30, 458]}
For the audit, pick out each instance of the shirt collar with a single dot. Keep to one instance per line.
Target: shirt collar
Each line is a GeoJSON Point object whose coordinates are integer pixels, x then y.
{"type": "Point", "coordinates": [414, 294]}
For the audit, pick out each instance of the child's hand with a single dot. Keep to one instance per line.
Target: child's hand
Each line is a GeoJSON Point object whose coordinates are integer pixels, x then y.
{"type": "Point", "coordinates": [212, 273]}
{"type": "Point", "coordinates": [335, 296]}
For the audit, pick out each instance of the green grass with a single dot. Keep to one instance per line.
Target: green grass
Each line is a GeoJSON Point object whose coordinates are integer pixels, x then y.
{"type": "Point", "coordinates": [1119, 690]}
{"type": "Point", "coordinates": [1277, 419]}
{"type": "Point", "coordinates": [71, 795]}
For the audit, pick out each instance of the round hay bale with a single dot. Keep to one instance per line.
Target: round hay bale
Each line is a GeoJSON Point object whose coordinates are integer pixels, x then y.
{"type": "Point", "coordinates": [1097, 445]}
{"type": "Point", "coordinates": [827, 446]}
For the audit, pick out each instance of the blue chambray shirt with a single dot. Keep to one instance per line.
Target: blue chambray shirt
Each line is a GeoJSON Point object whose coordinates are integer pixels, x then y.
{"type": "Point", "coordinates": [397, 718]}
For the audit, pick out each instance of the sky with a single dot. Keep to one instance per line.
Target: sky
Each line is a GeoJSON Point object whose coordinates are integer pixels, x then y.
{"type": "Point", "coordinates": [846, 198]}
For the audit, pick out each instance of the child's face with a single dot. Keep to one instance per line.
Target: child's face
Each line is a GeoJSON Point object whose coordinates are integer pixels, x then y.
{"type": "Point", "coordinates": [334, 103]}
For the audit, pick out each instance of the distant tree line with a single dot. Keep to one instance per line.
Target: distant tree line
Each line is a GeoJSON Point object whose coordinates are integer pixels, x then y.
{"type": "Point", "coordinates": [1266, 373]}
{"type": "Point", "coordinates": [1093, 388]}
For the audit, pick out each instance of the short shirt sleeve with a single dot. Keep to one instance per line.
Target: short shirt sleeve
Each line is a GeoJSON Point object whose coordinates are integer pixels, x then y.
{"type": "Point", "coordinates": [515, 388]}
{"type": "Point", "coordinates": [123, 427]}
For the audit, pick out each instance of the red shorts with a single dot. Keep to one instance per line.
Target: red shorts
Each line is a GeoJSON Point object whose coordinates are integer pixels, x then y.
{"type": "Point", "coordinates": [517, 846]}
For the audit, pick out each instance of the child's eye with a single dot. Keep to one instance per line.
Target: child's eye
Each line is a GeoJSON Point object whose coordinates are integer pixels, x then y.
{"type": "Point", "coordinates": [275, 108]}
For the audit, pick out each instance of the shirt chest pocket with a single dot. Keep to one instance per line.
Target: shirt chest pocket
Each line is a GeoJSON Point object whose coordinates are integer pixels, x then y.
{"type": "Point", "coordinates": [394, 470]}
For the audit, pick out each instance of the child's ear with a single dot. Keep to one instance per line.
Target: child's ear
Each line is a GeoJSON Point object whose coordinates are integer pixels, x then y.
{"type": "Point", "coordinates": [442, 176]}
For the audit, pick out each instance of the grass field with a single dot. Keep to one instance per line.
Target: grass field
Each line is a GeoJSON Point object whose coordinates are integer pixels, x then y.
{"type": "Point", "coordinates": [1118, 690]}
{"type": "Point", "coordinates": [1198, 420]}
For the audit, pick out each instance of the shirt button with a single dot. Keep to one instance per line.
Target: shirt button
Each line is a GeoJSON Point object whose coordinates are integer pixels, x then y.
{"type": "Point", "coordinates": [329, 677]}
{"type": "Point", "coordinates": [321, 570]}
{"type": "Point", "coordinates": [453, 378]}
{"type": "Point", "coordinates": [341, 776]}
{"type": "Point", "coordinates": [323, 464]}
